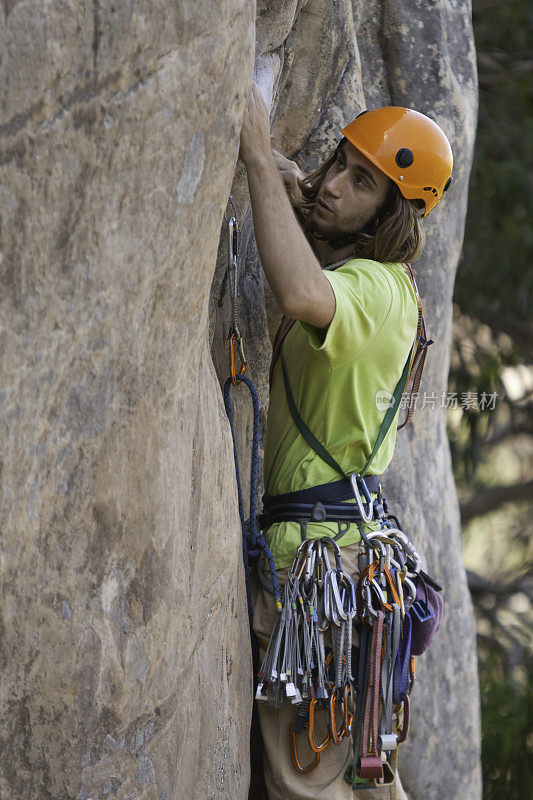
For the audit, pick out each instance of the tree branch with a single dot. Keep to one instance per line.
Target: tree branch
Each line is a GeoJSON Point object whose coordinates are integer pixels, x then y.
{"type": "Point", "coordinates": [480, 585]}
{"type": "Point", "coordinates": [493, 497]}
{"type": "Point", "coordinates": [504, 435]}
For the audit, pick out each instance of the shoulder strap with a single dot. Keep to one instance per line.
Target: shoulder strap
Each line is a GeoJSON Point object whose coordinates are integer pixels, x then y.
{"type": "Point", "coordinates": [415, 360]}
{"type": "Point", "coordinates": [308, 435]}
{"type": "Point", "coordinates": [284, 327]}
{"type": "Point", "coordinates": [319, 448]}
{"type": "Point", "coordinates": [418, 355]}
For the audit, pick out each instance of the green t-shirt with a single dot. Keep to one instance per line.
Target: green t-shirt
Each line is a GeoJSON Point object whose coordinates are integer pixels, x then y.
{"type": "Point", "coordinates": [336, 375]}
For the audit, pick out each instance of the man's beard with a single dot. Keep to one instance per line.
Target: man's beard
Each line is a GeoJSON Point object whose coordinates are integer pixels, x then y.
{"type": "Point", "coordinates": [334, 237]}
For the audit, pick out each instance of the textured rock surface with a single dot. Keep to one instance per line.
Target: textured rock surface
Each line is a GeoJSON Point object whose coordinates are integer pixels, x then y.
{"type": "Point", "coordinates": [124, 648]}
{"type": "Point", "coordinates": [123, 618]}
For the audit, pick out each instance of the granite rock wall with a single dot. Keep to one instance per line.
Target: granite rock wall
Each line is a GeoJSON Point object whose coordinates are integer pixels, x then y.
{"type": "Point", "coordinates": [124, 626]}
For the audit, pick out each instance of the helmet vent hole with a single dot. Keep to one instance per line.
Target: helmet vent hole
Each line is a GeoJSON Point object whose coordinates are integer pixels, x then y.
{"type": "Point", "coordinates": [404, 157]}
{"type": "Point", "coordinates": [431, 189]}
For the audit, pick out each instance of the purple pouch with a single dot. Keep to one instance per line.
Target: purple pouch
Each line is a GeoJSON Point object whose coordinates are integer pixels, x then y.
{"type": "Point", "coordinates": [426, 616]}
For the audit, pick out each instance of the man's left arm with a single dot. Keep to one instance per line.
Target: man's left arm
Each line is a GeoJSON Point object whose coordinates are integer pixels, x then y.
{"type": "Point", "coordinates": [292, 269]}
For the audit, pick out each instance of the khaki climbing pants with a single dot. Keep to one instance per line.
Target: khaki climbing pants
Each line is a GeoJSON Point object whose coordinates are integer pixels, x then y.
{"type": "Point", "coordinates": [326, 782]}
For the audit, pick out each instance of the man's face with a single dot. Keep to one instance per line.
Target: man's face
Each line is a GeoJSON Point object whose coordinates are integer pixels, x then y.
{"type": "Point", "coordinates": [352, 191]}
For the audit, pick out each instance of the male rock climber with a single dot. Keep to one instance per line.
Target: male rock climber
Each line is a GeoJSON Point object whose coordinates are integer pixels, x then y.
{"type": "Point", "coordinates": [334, 247]}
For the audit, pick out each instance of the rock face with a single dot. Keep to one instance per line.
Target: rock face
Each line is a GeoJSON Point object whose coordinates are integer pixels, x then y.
{"type": "Point", "coordinates": [123, 614]}
{"type": "Point", "coordinates": [124, 647]}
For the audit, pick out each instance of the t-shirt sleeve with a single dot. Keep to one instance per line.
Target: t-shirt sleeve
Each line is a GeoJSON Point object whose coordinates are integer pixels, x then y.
{"type": "Point", "coordinates": [363, 301]}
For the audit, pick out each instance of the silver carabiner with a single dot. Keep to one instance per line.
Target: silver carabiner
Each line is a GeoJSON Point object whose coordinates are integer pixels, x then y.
{"type": "Point", "coordinates": [374, 585]}
{"type": "Point", "coordinates": [408, 547]}
{"type": "Point", "coordinates": [368, 609]}
{"type": "Point", "coordinates": [409, 595]}
{"type": "Point", "coordinates": [365, 516]}
{"type": "Point", "coordinates": [310, 563]}
{"type": "Point", "coordinates": [233, 234]}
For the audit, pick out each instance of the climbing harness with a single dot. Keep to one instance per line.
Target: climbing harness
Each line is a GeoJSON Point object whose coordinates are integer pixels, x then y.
{"type": "Point", "coordinates": [368, 686]}
{"type": "Point", "coordinates": [253, 541]}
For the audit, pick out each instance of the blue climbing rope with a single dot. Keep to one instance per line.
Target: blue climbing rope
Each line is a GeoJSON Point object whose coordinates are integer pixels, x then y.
{"type": "Point", "coordinates": [253, 541]}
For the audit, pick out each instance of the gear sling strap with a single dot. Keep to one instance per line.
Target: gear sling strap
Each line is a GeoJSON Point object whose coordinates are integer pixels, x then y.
{"type": "Point", "coordinates": [419, 345]}
{"type": "Point", "coordinates": [319, 448]}
{"type": "Point", "coordinates": [414, 364]}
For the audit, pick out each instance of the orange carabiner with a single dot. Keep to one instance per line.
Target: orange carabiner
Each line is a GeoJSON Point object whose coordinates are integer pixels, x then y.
{"type": "Point", "coordinates": [348, 715]}
{"type": "Point", "coordinates": [316, 748]}
{"type": "Point", "coordinates": [339, 734]}
{"type": "Point", "coordinates": [234, 339]}
{"type": "Point", "coordinates": [294, 754]}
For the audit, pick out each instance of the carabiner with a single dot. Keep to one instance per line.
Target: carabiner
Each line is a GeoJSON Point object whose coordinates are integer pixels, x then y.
{"type": "Point", "coordinates": [349, 594]}
{"type": "Point", "coordinates": [294, 754]}
{"type": "Point", "coordinates": [409, 593]}
{"type": "Point", "coordinates": [233, 234]}
{"type": "Point", "coordinates": [339, 734]}
{"type": "Point", "coordinates": [316, 748]}
{"type": "Point", "coordinates": [233, 340]}
{"type": "Point", "coordinates": [234, 210]}
{"type": "Point", "coordinates": [366, 516]}
{"type": "Point", "coordinates": [327, 541]}
{"type": "Point", "coordinates": [309, 564]}
{"type": "Point", "coordinates": [367, 612]}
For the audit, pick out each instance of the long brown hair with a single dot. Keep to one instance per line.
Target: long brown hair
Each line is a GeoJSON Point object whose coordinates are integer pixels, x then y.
{"type": "Point", "coordinates": [393, 235]}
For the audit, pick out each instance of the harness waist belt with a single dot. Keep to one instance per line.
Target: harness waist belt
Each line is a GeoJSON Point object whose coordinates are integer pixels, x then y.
{"type": "Point", "coordinates": [317, 503]}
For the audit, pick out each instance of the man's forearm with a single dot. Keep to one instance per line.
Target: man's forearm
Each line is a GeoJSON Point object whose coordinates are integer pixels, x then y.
{"type": "Point", "coordinates": [292, 269]}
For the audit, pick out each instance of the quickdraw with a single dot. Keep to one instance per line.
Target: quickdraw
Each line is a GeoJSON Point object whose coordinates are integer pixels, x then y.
{"type": "Point", "coordinates": [253, 541]}
{"type": "Point", "coordinates": [319, 597]}
{"type": "Point", "coordinates": [234, 337]}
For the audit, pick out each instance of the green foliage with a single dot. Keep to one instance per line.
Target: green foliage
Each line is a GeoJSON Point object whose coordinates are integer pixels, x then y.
{"type": "Point", "coordinates": [507, 732]}
{"type": "Point", "coordinates": [497, 264]}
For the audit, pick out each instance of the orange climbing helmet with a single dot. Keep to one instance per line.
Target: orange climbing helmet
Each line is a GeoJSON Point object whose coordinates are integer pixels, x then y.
{"type": "Point", "coordinates": [408, 147]}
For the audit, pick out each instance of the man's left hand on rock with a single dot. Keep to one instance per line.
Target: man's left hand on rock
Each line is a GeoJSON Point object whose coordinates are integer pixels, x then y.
{"type": "Point", "coordinates": [255, 131]}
